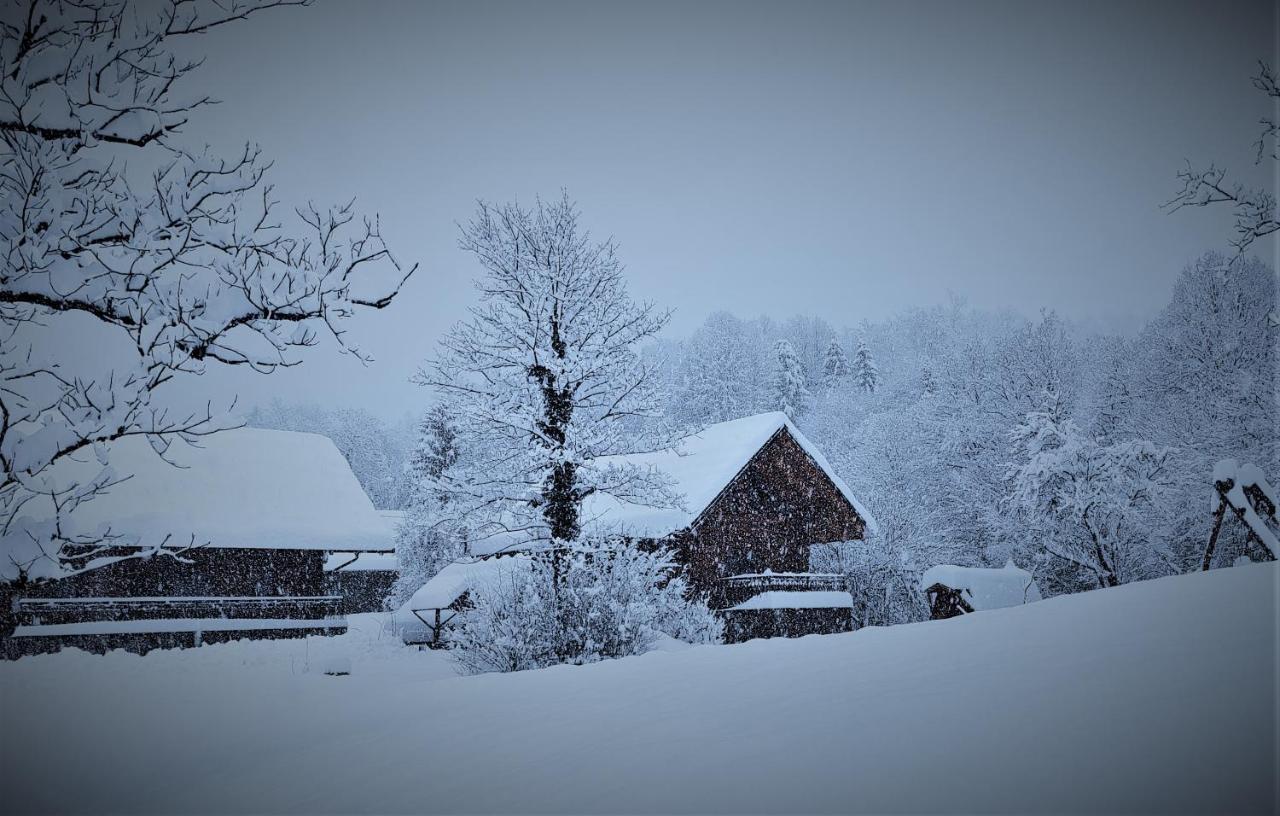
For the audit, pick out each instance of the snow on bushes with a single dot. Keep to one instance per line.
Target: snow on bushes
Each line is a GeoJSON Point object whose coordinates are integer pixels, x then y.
{"type": "Point", "coordinates": [616, 599]}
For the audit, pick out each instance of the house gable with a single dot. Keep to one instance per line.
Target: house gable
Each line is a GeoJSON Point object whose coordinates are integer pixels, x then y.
{"type": "Point", "coordinates": [766, 517]}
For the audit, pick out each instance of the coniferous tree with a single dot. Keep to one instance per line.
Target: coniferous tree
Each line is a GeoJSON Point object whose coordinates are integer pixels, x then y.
{"type": "Point", "coordinates": [790, 395]}
{"type": "Point", "coordinates": [835, 364]}
{"type": "Point", "coordinates": [865, 371]}
{"type": "Point", "coordinates": [427, 540]}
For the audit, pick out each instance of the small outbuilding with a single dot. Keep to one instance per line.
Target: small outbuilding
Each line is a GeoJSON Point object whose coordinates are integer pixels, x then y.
{"type": "Point", "coordinates": [424, 619]}
{"type": "Point", "coordinates": [953, 591]}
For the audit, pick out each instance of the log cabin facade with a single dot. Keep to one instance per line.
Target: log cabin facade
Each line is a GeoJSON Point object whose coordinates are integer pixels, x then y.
{"type": "Point", "coordinates": [260, 510]}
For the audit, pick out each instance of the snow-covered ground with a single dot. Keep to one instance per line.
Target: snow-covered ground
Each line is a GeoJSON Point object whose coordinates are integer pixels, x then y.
{"type": "Point", "coordinates": [1154, 697]}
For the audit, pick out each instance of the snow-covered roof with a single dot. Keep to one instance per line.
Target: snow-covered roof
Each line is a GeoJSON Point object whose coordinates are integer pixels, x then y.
{"type": "Point", "coordinates": [699, 467]}
{"type": "Point", "coordinates": [393, 516]}
{"type": "Point", "coordinates": [785, 599]}
{"type": "Point", "coordinates": [451, 582]}
{"type": "Point", "coordinates": [985, 588]}
{"type": "Point", "coordinates": [247, 487]}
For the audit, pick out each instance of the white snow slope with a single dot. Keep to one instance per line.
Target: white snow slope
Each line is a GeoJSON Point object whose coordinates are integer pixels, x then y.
{"type": "Point", "coordinates": [1153, 697]}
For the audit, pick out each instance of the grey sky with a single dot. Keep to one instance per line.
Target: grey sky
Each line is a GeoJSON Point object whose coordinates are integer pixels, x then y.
{"type": "Point", "coordinates": [841, 159]}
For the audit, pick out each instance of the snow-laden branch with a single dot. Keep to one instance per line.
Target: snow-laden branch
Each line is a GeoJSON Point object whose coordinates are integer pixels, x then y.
{"type": "Point", "coordinates": [163, 273]}
{"type": "Point", "coordinates": [1254, 208]}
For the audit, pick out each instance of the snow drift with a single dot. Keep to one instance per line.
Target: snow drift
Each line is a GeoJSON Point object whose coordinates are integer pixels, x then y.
{"type": "Point", "coordinates": [1152, 697]}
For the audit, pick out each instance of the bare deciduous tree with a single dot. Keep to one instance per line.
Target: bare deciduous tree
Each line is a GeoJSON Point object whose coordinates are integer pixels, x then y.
{"type": "Point", "coordinates": [118, 240]}
{"type": "Point", "coordinates": [1254, 208]}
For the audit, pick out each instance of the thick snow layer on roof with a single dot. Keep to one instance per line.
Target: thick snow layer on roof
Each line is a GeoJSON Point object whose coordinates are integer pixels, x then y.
{"type": "Point", "coordinates": [700, 466]}
{"type": "Point", "coordinates": [798, 600]}
{"type": "Point", "coordinates": [393, 516]}
{"type": "Point", "coordinates": [247, 487]}
{"type": "Point", "coordinates": [985, 588]}
{"type": "Point", "coordinates": [451, 582]}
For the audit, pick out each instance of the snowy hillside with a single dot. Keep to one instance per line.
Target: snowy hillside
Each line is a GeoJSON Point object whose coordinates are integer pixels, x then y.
{"type": "Point", "coordinates": [1155, 697]}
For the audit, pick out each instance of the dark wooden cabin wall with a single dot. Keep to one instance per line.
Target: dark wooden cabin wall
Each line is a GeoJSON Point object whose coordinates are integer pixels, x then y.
{"type": "Point", "coordinates": [766, 518]}
{"type": "Point", "coordinates": [200, 572]}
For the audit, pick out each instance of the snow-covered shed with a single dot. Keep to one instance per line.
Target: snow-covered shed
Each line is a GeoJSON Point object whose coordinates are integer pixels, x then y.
{"type": "Point", "coordinates": [953, 590]}
{"type": "Point", "coordinates": [757, 494]}
{"type": "Point", "coordinates": [423, 618]}
{"type": "Point", "coordinates": [255, 511]}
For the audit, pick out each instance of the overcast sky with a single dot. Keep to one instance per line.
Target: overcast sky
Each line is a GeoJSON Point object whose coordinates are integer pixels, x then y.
{"type": "Point", "coordinates": [842, 159]}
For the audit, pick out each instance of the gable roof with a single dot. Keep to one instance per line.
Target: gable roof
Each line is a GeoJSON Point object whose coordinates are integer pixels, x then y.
{"type": "Point", "coordinates": [247, 487]}
{"type": "Point", "coordinates": [699, 467]}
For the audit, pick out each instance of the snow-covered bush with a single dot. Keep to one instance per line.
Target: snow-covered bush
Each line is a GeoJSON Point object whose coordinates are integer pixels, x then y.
{"type": "Point", "coordinates": [511, 624]}
{"type": "Point", "coordinates": [616, 599]}
{"type": "Point", "coordinates": [882, 578]}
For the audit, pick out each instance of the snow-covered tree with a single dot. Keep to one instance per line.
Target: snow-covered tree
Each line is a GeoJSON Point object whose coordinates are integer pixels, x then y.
{"type": "Point", "coordinates": [543, 381]}
{"type": "Point", "coordinates": [722, 368]}
{"type": "Point", "coordinates": [865, 372]}
{"type": "Point", "coordinates": [161, 261]}
{"type": "Point", "coordinates": [617, 598]}
{"type": "Point", "coordinates": [789, 392]}
{"type": "Point", "coordinates": [1083, 503]}
{"type": "Point", "coordinates": [810, 336]}
{"type": "Point", "coordinates": [835, 364]}
{"type": "Point", "coordinates": [883, 579]}
{"type": "Point", "coordinates": [427, 538]}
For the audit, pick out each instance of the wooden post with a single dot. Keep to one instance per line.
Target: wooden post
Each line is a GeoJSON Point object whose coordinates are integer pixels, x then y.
{"type": "Point", "coordinates": [1218, 515]}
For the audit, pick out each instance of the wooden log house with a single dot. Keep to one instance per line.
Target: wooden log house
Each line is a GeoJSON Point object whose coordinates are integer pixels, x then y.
{"type": "Point", "coordinates": [260, 511]}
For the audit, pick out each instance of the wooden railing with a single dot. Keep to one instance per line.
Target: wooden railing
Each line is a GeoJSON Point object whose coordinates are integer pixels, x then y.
{"type": "Point", "coordinates": [38, 611]}
{"type": "Point", "coordinates": [737, 588]}
{"type": "Point", "coordinates": [790, 581]}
